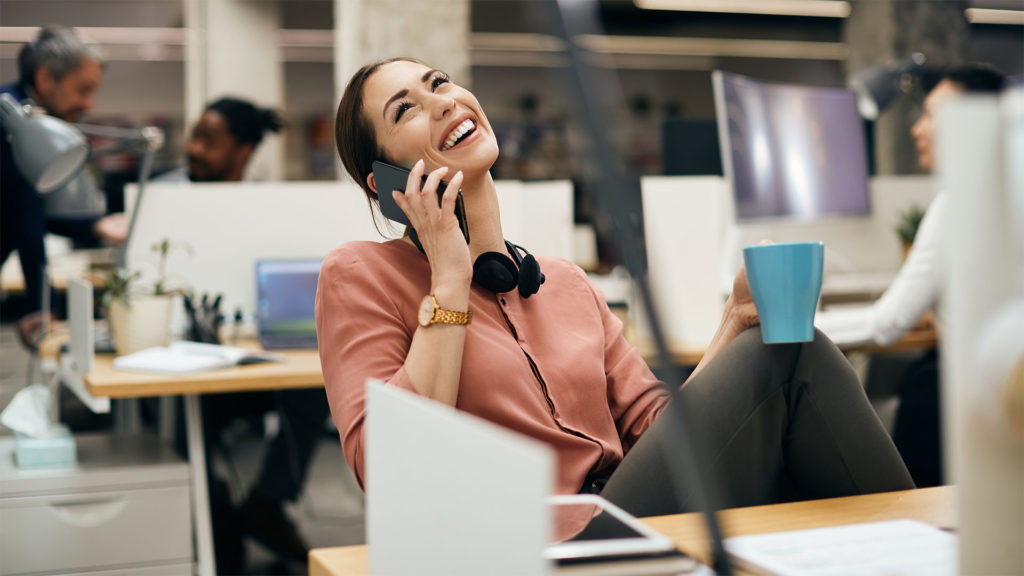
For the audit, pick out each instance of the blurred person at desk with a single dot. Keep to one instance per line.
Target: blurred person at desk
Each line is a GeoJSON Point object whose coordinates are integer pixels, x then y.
{"type": "Point", "coordinates": [223, 141]}
{"type": "Point", "coordinates": [60, 73]}
{"type": "Point", "coordinates": [430, 314]}
{"type": "Point", "coordinates": [218, 150]}
{"type": "Point", "coordinates": [909, 301]}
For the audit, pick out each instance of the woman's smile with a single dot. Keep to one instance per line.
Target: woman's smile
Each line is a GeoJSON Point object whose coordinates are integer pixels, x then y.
{"type": "Point", "coordinates": [459, 132]}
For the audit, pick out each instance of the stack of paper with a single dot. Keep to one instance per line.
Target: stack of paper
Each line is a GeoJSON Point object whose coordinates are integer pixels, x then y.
{"type": "Point", "coordinates": [893, 548]}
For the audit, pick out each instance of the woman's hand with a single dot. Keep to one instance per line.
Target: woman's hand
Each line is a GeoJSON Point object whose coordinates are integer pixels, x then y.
{"type": "Point", "coordinates": [740, 312]}
{"type": "Point", "coordinates": [434, 360]}
{"type": "Point", "coordinates": [437, 227]}
{"type": "Point", "coordinates": [112, 228]}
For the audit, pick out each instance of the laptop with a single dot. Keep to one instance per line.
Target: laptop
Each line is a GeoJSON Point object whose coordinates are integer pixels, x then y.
{"type": "Point", "coordinates": [462, 496]}
{"type": "Point", "coordinates": [285, 303]}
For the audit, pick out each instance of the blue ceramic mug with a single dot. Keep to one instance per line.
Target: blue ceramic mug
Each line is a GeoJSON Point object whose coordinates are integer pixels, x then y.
{"type": "Point", "coordinates": [785, 281]}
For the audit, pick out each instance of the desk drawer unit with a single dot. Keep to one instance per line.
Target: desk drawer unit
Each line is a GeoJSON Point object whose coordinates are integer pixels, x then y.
{"type": "Point", "coordinates": [123, 510]}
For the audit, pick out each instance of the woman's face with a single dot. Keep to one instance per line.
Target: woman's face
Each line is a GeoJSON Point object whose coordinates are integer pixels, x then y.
{"type": "Point", "coordinates": [923, 130]}
{"type": "Point", "coordinates": [416, 112]}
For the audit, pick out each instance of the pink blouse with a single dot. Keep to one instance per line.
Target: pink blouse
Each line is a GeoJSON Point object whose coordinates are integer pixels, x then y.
{"type": "Point", "coordinates": [554, 367]}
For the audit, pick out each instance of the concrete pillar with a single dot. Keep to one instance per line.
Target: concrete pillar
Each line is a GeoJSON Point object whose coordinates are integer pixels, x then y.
{"type": "Point", "coordinates": [881, 32]}
{"type": "Point", "coordinates": [233, 50]}
{"type": "Point", "coordinates": [435, 32]}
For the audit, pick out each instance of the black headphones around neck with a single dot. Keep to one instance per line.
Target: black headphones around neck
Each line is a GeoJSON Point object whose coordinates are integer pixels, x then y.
{"type": "Point", "coordinates": [499, 273]}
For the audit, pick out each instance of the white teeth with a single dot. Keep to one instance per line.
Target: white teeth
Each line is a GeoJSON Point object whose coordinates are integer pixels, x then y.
{"type": "Point", "coordinates": [458, 132]}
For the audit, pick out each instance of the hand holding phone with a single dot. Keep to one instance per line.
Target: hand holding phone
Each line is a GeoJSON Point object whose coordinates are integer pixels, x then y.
{"type": "Point", "coordinates": [389, 178]}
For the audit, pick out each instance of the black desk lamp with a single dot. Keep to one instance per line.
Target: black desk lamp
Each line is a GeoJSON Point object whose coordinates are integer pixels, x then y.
{"type": "Point", "coordinates": [616, 197]}
{"type": "Point", "coordinates": [879, 86]}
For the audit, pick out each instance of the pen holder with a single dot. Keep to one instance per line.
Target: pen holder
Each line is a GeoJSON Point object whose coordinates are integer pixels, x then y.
{"type": "Point", "coordinates": [203, 322]}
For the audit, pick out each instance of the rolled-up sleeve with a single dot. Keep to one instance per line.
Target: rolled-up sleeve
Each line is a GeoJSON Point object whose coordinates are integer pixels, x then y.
{"type": "Point", "coordinates": [362, 334]}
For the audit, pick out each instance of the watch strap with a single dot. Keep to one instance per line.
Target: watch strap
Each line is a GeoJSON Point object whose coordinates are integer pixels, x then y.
{"type": "Point", "coordinates": [442, 316]}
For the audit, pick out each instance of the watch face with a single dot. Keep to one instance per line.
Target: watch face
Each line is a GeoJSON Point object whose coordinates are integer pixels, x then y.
{"type": "Point", "coordinates": [426, 310]}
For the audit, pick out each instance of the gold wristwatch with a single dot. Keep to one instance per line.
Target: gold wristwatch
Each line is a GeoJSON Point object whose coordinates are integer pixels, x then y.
{"type": "Point", "coordinates": [431, 313]}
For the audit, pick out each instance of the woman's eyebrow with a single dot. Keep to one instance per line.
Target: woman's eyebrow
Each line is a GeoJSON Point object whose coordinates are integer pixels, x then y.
{"type": "Point", "coordinates": [398, 95]}
{"type": "Point", "coordinates": [405, 92]}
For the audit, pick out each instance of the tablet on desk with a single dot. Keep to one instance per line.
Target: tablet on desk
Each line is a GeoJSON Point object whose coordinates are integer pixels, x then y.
{"type": "Point", "coordinates": [594, 536]}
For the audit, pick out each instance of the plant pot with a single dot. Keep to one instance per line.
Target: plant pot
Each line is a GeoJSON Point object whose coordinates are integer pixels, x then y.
{"type": "Point", "coordinates": [144, 324]}
{"type": "Point", "coordinates": [906, 251]}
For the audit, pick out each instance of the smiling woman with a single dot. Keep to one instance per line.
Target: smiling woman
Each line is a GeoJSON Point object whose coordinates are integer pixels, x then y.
{"type": "Point", "coordinates": [554, 365]}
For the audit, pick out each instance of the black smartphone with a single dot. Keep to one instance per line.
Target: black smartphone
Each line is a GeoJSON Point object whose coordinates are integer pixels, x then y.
{"type": "Point", "coordinates": [389, 178]}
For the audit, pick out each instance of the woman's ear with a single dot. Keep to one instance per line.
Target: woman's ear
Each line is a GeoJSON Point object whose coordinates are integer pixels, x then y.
{"type": "Point", "coordinates": [371, 183]}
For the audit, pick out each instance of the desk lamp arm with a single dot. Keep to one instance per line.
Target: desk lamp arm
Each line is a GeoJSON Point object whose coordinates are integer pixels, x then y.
{"type": "Point", "coordinates": [151, 138]}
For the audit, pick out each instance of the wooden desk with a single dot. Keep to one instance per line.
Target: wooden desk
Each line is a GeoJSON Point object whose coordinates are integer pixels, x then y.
{"type": "Point", "coordinates": [914, 340]}
{"type": "Point", "coordinates": [689, 354]}
{"type": "Point", "coordinates": [77, 264]}
{"type": "Point", "coordinates": [683, 353]}
{"type": "Point", "coordinates": [299, 369]}
{"type": "Point", "coordinates": [934, 506]}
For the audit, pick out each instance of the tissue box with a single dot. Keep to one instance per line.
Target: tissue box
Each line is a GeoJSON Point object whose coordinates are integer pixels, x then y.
{"type": "Point", "coordinates": [56, 450]}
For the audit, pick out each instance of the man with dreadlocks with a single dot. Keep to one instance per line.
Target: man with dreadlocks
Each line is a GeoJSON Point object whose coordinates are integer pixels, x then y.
{"type": "Point", "coordinates": [223, 141]}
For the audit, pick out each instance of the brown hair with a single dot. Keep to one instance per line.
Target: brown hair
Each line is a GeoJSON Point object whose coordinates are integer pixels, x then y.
{"type": "Point", "coordinates": [353, 133]}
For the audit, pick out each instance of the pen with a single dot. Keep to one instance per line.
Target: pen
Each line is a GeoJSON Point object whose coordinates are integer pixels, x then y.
{"type": "Point", "coordinates": [192, 333]}
{"type": "Point", "coordinates": [238, 323]}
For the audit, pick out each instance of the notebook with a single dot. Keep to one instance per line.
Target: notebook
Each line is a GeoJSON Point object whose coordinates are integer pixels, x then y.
{"type": "Point", "coordinates": [285, 303]}
{"type": "Point", "coordinates": [188, 357]}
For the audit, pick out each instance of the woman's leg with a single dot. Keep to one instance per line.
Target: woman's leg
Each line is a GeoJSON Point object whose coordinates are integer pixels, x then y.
{"type": "Point", "coordinates": [918, 430]}
{"type": "Point", "coordinates": [760, 414]}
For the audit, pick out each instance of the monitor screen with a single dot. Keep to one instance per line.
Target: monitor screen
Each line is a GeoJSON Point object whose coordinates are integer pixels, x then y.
{"type": "Point", "coordinates": [791, 151]}
{"type": "Point", "coordinates": [287, 297]}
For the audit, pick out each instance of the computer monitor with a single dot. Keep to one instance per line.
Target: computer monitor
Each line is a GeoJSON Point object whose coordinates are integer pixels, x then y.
{"type": "Point", "coordinates": [286, 301]}
{"type": "Point", "coordinates": [789, 151]}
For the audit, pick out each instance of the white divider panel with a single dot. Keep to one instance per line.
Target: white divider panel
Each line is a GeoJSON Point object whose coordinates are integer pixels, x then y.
{"type": "Point", "coordinates": [980, 331]}
{"type": "Point", "coordinates": [683, 227]}
{"type": "Point", "coordinates": [514, 210]}
{"type": "Point", "coordinates": [229, 226]}
{"type": "Point", "coordinates": [549, 226]}
{"type": "Point", "coordinates": [450, 493]}
{"type": "Point", "coordinates": [853, 244]}
{"type": "Point", "coordinates": [538, 215]}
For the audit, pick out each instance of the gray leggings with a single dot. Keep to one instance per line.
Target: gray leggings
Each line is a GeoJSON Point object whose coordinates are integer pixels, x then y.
{"type": "Point", "coordinates": [777, 422]}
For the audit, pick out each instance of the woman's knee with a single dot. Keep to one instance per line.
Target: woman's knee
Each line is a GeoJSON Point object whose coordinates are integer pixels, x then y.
{"type": "Point", "coordinates": [756, 368]}
{"type": "Point", "coordinates": [825, 355]}
{"type": "Point", "coordinates": [804, 362]}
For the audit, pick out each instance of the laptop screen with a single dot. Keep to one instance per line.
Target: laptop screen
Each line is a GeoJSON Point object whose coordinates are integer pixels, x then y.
{"type": "Point", "coordinates": [286, 296]}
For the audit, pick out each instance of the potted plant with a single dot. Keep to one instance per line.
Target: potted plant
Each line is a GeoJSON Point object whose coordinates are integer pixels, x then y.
{"type": "Point", "coordinates": [906, 228]}
{"type": "Point", "coordinates": [139, 317]}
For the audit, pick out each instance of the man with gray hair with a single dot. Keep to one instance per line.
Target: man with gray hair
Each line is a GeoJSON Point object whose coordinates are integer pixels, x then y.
{"type": "Point", "coordinates": [60, 73]}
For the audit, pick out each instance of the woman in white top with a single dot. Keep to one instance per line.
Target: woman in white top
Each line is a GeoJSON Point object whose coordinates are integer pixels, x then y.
{"type": "Point", "coordinates": [915, 291]}
{"type": "Point", "coordinates": [917, 286]}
